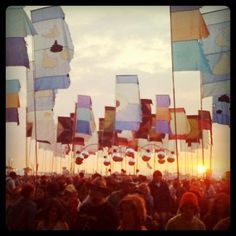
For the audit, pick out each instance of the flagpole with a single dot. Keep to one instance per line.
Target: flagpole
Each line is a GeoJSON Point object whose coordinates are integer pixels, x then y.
{"type": "Point", "coordinates": [173, 83]}
{"type": "Point", "coordinates": [73, 143]}
{"type": "Point", "coordinates": [203, 161]}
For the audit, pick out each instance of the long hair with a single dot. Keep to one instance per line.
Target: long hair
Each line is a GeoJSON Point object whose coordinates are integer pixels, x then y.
{"type": "Point", "coordinates": [137, 204]}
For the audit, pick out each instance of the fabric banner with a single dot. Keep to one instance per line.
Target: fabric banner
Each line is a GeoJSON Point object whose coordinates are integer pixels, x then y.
{"type": "Point", "coordinates": [84, 101]}
{"type": "Point", "coordinates": [83, 114]}
{"type": "Point", "coordinates": [13, 86]}
{"type": "Point", "coordinates": [53, 49]}
{"type": "Point", "coordinates": [18, 23]}
{"type": "Point", "coordinates": [221, 109]}
{"type": "Point", "coordinates": [16, 52]}
{"type": "Point", "coordinates": [216, 17]}
{"type": "Point", "coordinates": [217, 50]}
{"type": "Point", "coordinates": [162, 100]}
{"type": "Point", "coordinates": [12, 115]}
{"type": "Point", "coordinates": [188, 25]}
{"type": "Point", "coordinates": [52, 82]}
{"type": "Point", "coordinates": [189, 56]}
{"type": "Point", "coordinates": [12, 100]}
{"type": "Point", "coordinates": [195, 133]}
{"type": "Point", "coordinates": [182, 123]}
{"type": "Point", "coordinates": [64, 130]}
{"type": "Point", "coordinates": [109, 120]}
{"type": "Point", "coordinates": [128, 105]}
{"type": "Point", "coordinates": [162, 113]}
{"type": "Point", "coordinates": [183, 8]}
{"type": "Point", "coordinates": [154, 134]}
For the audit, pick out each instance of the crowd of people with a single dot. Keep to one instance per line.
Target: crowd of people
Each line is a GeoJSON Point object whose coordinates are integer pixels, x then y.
{"type": "Point", "coordinates": [116, 202]}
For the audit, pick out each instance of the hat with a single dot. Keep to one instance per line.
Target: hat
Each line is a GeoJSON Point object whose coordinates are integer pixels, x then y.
{"type": "Point", "coordinates": [189, 198]}
{"type": "Point", "coordinates": [100, 184]}
{"type": "Point", "coordinates": [70, 188]}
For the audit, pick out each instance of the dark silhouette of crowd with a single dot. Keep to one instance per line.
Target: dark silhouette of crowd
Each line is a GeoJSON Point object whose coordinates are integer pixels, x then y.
{"type": "Point", "coordinates": [116, 202]}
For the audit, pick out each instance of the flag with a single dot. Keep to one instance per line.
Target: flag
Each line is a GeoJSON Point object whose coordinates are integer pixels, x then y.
{"type": "Point", "coordinates": [64, 130]}
{"type": "Point", "coordinates": [162, 100]}
{"type": "Point", "coordinates": [128, 107]}
{"type": "Point", "coordinates": [12, 115]}
{"type": "Point", "coordinates": [84, 101]}
{"type": "Point", "coordinates": [18, 26]}
{"type": "Point", "coordinates": [205, 124]}
{"type": "Point", "coordinates": [53, 49]}
{"type": "Point", "coordinates": [162, 118]}
{"type": "Point", "coordinates": [154, 134]}
{"type": "Point", "coordinates": [109, 120]}
{"type": "Point", "coordinates": [182, 124]}
{"type": "Point", "coordinates": [188, 25]}
{"type": "Point", "coordinates": [12, 100]}
{"type": "Point", "coordinates": [221, 109]}
{"type": "Point", "coordinates": [16, 52]}
{"type": "Point", "coordinates": [13, 86]}
{"type": "Point", "coordinates": [195, 133]}
{"type": "Point", "coordinates": [18, 23]}
{"type": "Point", "coordinates": [189, 56]}
{"type": "Point", "coordinates": [146, 123]}
{"type": "Point", "coordinates": [183, 8]}
{"type": "Point", "coordinates": [45, 126]}
{"type": "Point", "coordinates": [217, 51]}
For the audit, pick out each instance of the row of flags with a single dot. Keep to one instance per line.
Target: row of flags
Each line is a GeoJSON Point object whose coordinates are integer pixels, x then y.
{"type": "Point", "coordinates": [199, 42]}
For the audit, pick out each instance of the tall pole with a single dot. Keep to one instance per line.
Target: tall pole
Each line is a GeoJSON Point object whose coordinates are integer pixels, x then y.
{"type": "Point", "coordinates": [173, 83]}
{"type": "Point", "coordinates": [203, 161]}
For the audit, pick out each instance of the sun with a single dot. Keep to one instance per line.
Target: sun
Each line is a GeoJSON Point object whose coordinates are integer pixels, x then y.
{"type": "Point", "coordinates": [201, 169]}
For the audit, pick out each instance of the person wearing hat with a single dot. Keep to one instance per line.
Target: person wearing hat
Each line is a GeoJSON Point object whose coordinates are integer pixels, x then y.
{"type": "Point", "coordinates": [96, 213]}
{"type": "Point", "coordinates": [186, 219]}
{"type": "Point", "coordinates": [162, 198]}
{"type": "Point", "coordinates": [70, 202]}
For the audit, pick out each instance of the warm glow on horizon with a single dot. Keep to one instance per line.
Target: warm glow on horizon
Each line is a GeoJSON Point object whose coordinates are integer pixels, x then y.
{"type": "Point", "coordinates": [201, 169]}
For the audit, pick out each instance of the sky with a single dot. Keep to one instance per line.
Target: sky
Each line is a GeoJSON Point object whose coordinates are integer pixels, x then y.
{"type": "Point", "coordinates": [110, 41]}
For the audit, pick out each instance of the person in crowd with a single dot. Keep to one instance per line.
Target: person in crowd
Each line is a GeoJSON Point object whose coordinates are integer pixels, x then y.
{"type": "Point", "coordinates": [71, 203]}
{"type": "Point", "coordinates": [223, 224]}
{"type": "Point", "coordinates": [218, 209]}
{"type": "Point", "coordinates": [21, 216]}
{"type": "Point", "coordinates": [11, 189]}
{"type": "Point", "coordinates": [126, 186]}
{"type": "Point", "coordinates": [53, 217]}
{"type": "Point", "coordinates": [132, 212]}
{"type": "Point", "coordinates": [96, 213]}
{"type": "Point", "coordinates": [186, 219]}
{"type": "Point", "coordinates": [161, 195]}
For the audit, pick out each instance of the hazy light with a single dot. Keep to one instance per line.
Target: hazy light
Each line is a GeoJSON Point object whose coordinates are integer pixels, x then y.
{"type": "Point", "coordinates": [201, 169]}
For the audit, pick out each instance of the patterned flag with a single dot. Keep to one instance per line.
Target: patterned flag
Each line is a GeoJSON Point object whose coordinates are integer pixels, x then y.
{"type": "Point", "coordinates": [221, 109]}
{"type": "Point", "coordinates": [64, 130]}
{"type": "Point", "coordinates": [128, 107]}
{"type": "Point", "coordinates": [195, 133]}
{"type": "Point", "coordinates": [146, 123]}
{"type": "Point", "coordinates": [53, 49]}
{"type": "Point", "coordinates": [217, 50]}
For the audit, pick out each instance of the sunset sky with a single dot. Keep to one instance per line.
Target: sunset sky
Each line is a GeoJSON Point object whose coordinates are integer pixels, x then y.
{"type": "Point", "coordinates": [110, 41]}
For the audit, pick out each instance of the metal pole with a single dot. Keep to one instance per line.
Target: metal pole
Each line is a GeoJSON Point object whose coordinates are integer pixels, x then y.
{"type": "Point", "coordinates": [173, 82]}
